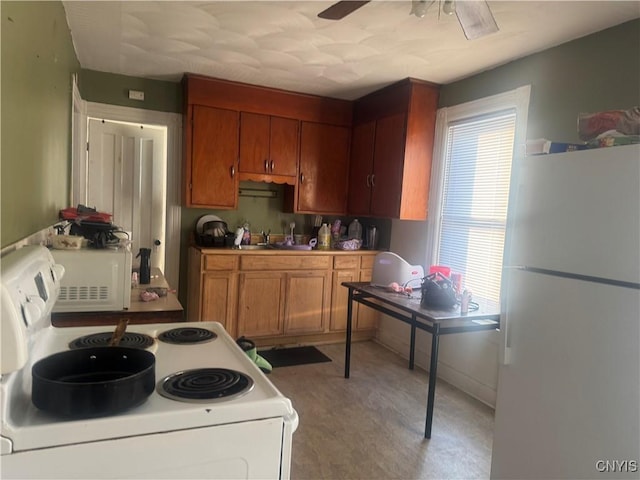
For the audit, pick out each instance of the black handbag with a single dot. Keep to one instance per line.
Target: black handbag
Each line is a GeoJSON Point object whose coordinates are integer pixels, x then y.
{"type": "Point", "coordinates": [438, 292]}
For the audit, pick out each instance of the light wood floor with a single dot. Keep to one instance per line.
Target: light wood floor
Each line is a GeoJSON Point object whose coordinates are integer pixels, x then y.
{"type": "Point", "coordinates": [371, 426]}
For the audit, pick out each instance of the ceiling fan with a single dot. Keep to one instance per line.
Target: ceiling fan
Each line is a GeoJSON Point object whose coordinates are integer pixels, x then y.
{"type": "Point", "coordinates": [475, 16]}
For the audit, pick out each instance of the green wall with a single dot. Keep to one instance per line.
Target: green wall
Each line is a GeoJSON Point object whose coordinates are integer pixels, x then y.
{"type": "Point", "coordinates": [38, 61]}
{"type": "Point", "coordinates": [592, 74]}
{"type": "Point", "coordinates": [113, 89]}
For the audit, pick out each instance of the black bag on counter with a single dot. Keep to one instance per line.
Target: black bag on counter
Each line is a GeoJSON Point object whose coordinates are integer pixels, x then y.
{"type": "Point", "coordinates": [100, 235]}
{"type": "Point", "coordinates": [438, 292]}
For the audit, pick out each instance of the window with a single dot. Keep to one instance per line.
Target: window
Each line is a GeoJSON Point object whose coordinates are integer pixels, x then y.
{"type": "Point", "coordinates": [474, 157]}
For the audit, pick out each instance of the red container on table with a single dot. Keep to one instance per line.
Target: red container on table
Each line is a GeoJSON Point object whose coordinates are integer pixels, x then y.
{"type": "Point", "coordinates": [446, 271]}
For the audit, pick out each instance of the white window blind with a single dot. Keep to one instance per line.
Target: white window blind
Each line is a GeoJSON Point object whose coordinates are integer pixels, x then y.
{"type": "Point", "coordinates": [477, 170]}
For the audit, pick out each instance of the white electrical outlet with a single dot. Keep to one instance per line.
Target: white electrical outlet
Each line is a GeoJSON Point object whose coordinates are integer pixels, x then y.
{"type": "Point", "coordinates": [136, 95]}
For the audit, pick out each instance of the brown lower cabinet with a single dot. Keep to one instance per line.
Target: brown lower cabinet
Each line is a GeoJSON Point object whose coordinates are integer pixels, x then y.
{"type": "Point", "coordinates": [261, 301]}
{"type": "Point", "coordinates": [275, 298]}
{"type": "Point", "coordinates": [213, 290]}
{"type": "Point", "coordinates": [353, 268]}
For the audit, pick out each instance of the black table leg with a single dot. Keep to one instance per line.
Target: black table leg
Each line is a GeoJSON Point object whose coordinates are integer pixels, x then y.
{"type": "Point", "coordinates": [412, 349]}
{"type": "Point", "coordinates": [347, 352]}
{"type": "Point", "coordinates": [433, 367]}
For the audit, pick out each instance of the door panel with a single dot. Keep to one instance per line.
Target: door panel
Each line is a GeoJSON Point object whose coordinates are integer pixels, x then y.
{"type": "Point", "coordinates": [126, 176]}
{"type": "Point", "coordinates": [307, 297]}
{"type": "Point", "coordinates": [582, 202]}
{"type": "Point", "coordinates": [284, 146]}
{"type": "Point", "coordinates": [254, 143]}
{"type": "Point", "coordinates": [214, 157]}
{"type": "Point", "coordinates": [324, 168]}
{"type": "Point", "coordinates": [361, 168]}
{"type": "Point", "coordinates": [388, 165]}
{"type": "Point", "coordinates": [218, 299]}
{"type": "Point", "coordinates": [571, 385]}
{"type": "Point", "coordinates": [261, 304]}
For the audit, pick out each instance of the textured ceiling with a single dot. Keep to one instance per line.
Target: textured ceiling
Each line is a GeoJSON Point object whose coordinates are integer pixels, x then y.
{"type": "Point", "coordinates": [283, 44]}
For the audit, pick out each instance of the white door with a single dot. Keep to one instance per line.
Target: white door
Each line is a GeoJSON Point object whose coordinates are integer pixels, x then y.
{"type": "Point", "coordinates": [126, 176]}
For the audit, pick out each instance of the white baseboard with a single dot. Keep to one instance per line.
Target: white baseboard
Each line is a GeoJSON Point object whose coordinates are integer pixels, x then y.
{"type": "Point", "coordinates": [394, 338]}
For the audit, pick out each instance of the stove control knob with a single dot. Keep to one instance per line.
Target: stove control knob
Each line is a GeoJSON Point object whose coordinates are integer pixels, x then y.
{"type": "Point", "coordinates": [58, 272]}
{"type": "Point", "coordinates": [33, 309]}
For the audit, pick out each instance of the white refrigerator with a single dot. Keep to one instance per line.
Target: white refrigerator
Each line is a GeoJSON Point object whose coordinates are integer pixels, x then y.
{"type": "Point", "coordinates": [568, 402]}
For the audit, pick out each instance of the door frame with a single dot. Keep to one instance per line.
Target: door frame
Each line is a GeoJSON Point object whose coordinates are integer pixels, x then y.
{"type": "Point", "coordinates": [173, 123]}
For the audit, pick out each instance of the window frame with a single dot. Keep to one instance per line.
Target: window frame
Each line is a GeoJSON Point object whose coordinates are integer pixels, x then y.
{"type": "Point", "coordinates": [518, 100]}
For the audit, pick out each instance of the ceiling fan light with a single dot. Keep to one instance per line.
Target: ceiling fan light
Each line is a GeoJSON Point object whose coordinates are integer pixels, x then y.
{"type": "Point", "coordinates": [419, 7]}
{"type": "Point", "coordinates": [449, 7]}
{"type": "Point", "coordinates": [476, 19]}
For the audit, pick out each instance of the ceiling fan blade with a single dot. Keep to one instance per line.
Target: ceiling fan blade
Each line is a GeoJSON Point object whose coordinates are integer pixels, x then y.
{"type": "Point", "coordinates": [475, 18]}
{"type": "Point", "coordinates": [341, 9]}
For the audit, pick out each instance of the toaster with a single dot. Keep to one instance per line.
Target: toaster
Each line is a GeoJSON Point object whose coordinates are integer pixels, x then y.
{"type": "Point", "coordinates": [389, 267]}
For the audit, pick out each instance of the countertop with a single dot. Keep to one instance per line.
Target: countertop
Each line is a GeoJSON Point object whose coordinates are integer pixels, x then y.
{"type": "Point", "coordinates": [282, 251]}
{"type": "Point", "coordinates": [163, 304]}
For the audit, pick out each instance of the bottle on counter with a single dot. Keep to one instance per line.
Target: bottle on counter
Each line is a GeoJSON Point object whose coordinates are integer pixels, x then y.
{"type": "Point", "coordinates": [246, 237]}
{"type": "Point", "coordinates": [464, 301]}
{"type": "Point", "coordinates": [145, 265]}
{"type": "Point", "coordinates": [335, 230]}
{"type": "Point", "coordinates": [355, 230]}
{"type": "Point", "coordinates": [324, 237]}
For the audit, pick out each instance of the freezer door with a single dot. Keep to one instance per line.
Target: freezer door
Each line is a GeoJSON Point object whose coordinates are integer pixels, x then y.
{"type": "Point", "coordinates": [570, 397]}
{"type": "Point", "coordinates": [577, 212]}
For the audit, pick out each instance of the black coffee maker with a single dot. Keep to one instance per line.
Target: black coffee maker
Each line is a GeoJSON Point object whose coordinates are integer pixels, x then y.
{"type": "Point", "coordinates": [145, 265]}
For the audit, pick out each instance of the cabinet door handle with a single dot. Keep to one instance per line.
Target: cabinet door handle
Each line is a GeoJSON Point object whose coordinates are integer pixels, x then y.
{"type": "Point", "coordinates": [373, 179]}
{"type": "Point", "coordinates": [233, 171]}
{"type": "Point", "coordinates": [272, 165]}
{"type": "Point", "coordinates": [266, 166]}
{"type": "Point", "coordinates": [369, 181]}
{"type": "Point", "coordinates": [302, 178]}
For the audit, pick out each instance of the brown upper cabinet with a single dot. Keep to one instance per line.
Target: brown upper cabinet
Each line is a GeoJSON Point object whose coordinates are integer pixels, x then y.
{"type": "Point", "coordinates": [324, 168]}
{"type": "Point", "coordinates": [391, 149]}
{"type": "Point", "coordinates": [268, 148]}
{"type": "Point", "coordinates": [212, 146]}
{"type": "Point", "coordinates": [262, 142]}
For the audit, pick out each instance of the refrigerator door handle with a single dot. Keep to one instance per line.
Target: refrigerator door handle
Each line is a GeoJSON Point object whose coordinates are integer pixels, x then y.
{"type": "Point", "coordinates": [505, 353]}
{"type": "Point", "coordinates": [505, 335]}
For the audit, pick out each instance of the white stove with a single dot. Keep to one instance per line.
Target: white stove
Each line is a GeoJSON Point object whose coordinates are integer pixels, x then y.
{"type": "Point", "coordinates": [245, 435]}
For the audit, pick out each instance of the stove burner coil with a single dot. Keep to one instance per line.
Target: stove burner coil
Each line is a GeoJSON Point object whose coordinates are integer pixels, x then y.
{"type": "Point", "coordinates": [130, 339]}
{"type": "Point", "coordinates": [187, 335]}
{"type": "Point", "coordinates": [205, 385]}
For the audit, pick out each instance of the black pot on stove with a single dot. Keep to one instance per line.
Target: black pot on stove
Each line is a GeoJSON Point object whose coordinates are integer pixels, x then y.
{"type": "Point", "coordinates": [93, 382]}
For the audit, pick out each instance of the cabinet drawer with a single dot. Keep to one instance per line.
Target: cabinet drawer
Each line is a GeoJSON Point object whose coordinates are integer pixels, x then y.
{"type": "Point", "coordinates": [284, 262]}
{"type": "Point", "coordinates": [220, 262]}
{"type": "Point", "coordinates": [346, 262]}
{"type": "Point", "coordinates": [367, 261]}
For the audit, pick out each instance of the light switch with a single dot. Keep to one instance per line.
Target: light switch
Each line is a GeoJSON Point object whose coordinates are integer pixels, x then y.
{"type": "Point", "coordinates": [136, 95]}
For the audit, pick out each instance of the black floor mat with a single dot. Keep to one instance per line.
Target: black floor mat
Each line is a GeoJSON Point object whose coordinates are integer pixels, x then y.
{"type": "Point", "coordinates": [287, 357]}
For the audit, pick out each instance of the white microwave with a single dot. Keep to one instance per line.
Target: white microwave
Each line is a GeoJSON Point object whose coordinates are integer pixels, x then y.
{"type": "Point", "coordinates": [95, 280]}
